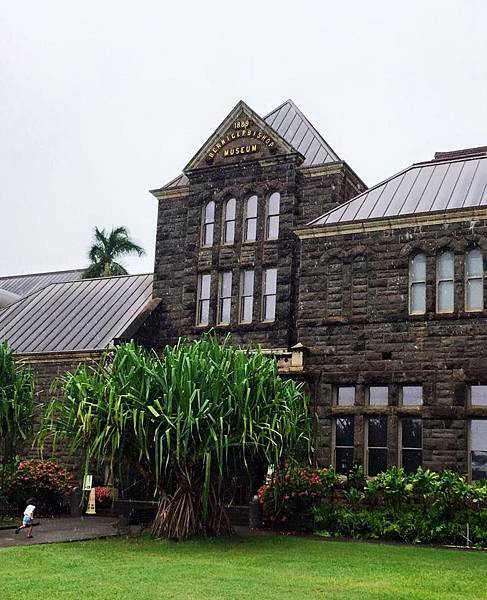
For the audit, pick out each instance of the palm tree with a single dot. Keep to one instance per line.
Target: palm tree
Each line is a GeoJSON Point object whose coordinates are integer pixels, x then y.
{"type": "Point", "coordinates": [106, 249]}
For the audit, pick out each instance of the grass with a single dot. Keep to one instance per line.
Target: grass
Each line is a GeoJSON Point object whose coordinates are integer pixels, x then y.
{"type": "Point", "coordinates": [256, 568]}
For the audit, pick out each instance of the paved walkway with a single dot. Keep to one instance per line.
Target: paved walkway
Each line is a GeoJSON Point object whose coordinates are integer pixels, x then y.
{"type": "Point", "coordinates": [50, 531]}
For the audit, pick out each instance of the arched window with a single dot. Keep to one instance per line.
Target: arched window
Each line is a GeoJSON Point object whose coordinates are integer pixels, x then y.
{"type": "Point", "coordinates": [445, 273]}
{"type": "Point", "coordinates": [417, 285]}
{"type": "Point", "coordinates": [208, 224]}
{"type": "Point", "coordinates": [250, 224]}
{"type": "Point", "coordinates": [272, 216]}
{"type": "Point", "coordinates": [474, 280]}
{"type": "Point", "coordinates": [229, 221]}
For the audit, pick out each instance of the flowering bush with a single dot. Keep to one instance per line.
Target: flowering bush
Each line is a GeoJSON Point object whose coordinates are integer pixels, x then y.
{"type": "Point", "coordinates": [45, 480]}
{"type": "Point", "coordinates": [103, 495]}
{"type": "Point", "coordinates": [295, 491]}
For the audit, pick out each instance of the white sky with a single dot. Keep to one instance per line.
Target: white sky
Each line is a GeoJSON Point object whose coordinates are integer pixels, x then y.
{"type": "Point", "coordinates": [102, 101]}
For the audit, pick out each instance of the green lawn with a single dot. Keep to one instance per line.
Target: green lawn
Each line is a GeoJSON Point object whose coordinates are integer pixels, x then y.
{"type": "Point", "coordinates": [254, 568]}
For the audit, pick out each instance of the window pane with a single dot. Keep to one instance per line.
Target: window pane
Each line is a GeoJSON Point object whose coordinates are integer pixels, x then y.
{"type": "Point", "coordinates": [418, 298]}
{"type": "Point", "coordinates": [474, 267]}
{"type": "Point", "coordinates": [247, 304]}
{"type": "Point", "coordinates": [445, 296]}
{"type": "Point", "coordinates": [377, 461]}
{"type": "Point", "coordinates": [479, 465]}
{"type": "Point", "coordinates": [273, 204]}
{"type": "Point", "coordinates": [344, 432]}
{"type": "Point", "coordinates": [411, 460]}
{"type": "Point", "coordinates": [412, 395]}
{"type": "Point", "coordinates": [475, 294]}
{"type": "Point", "coordinates": [272, 228]}
{"type": "Point", "coordinates": [378, 396]}
{"type": "Point", "coordinates": [208, 237]}
{"type": "Point", "coordinates": [248, 283]}
{"type": "Point", "coordinates": [344, 460]}
{"type": "Point", "coordinates": [205, 282]}
{"type": "Point", "coordinates": [230, 210]}
{"type": "Point", "coordinates": [445, 265]}
{"type": "Point", "coordinates": [411, 433]}
{"type": "Point", "coordinates": [251, 230]}
{"type": "Point", "coordinates": [251, 207]}
{"type": "Point", "coordinates": [269, 308]}
{"type": "Point", "coordinates": [346, 396]}
{"type": "Point", "coordinates": [229, 232]}
{"type": "Point", "coordinates": [270, 281]}
{"type": "Point", "coordinates": [210, 212]}
{"type": "Point", "coordinates": [418, 268]}
{"type": "Point", "coordinates": [478, 434]}
{"type": "Point", "coordinates": [204, 312]}
{"type": "Point", "coordinates": [225, 310]}
{"type": "Point", "coordinates": [478, 395]}
{"type": "Point", "coordinates": [226, 284]}
{"type": "Point", "coordinates": [377, 432]}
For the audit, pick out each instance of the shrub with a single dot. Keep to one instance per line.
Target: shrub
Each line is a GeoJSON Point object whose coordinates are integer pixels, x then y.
{"type": "Point", "coordinates": [103, 495]}
{"type": "Point", "coordinates": [45, 480]}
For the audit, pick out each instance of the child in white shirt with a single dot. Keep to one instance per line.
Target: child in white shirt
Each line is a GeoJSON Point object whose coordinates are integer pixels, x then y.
{"type": "Point", "coordinates": [27, 521]}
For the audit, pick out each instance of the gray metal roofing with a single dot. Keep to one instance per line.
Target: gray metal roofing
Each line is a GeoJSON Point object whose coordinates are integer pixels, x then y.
{"type": "Point", "coordinates": [26, 284]}
{"type": "Point", "coordinates": [290, 123]}
{"type": "Point", "coordinates": [77, 315]}
{"type": "Point", "coordinates": [434, 186]}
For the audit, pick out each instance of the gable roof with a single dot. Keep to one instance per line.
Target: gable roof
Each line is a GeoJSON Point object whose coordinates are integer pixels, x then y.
{"type": "Point", "coordinates": [289, 123]}
{"type": "Point", "coordinates": [75, 315]}
{"type": "Point", "coordinates": [429, 187]}
{"type": "Point", "coordinates": [26, 284]}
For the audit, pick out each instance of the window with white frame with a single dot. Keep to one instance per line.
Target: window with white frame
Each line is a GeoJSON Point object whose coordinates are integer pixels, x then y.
{"type": "Point", "coordinates": [378, 395]}
{"type": "Point", "coordinates": [412, 395]}
{"type": "Point", "coordinates": [250, 224]}
{"type": "Point", "coordinates": [478, 448]}
{"type": "Point", "coordinates": [445, 274]}
{"type": "Point", "coordinates": [224, 298]}
{"type": "Point", "coordinates": [478, 395]}
{"type": "Point", "coordinates": [229, 221]}
{"type": "Point", "coordinates": [345, 396]}
{"type": "Point", "coordinates": [203, 304]}
{"type": "Point", "coordinates": [246, 296]}
{"type": "Point", "coordinates": [376, 445]}
{"type": "Point", "coordinates": [474, 280]}
{"type": "Point", "coordinates": [411, 443]}
{"type": "Point", "coordinates": [269, 294]}
{"type": "Point", "coordinates": [208, 224]}
{"type": "Point", "coordinates": [417, 284]}
{"type": "Point", "coordinates": [344, 444]}
{"type": "Point", "coordinates": [272, 216]}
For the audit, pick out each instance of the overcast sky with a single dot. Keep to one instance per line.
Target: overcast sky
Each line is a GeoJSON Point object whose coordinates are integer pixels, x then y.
{"type": "Point", "coordinates": [102, 101]}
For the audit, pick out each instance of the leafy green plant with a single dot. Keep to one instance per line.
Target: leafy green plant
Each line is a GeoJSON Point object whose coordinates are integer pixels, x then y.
{"type": "Point", "coordinates": [181, 419]}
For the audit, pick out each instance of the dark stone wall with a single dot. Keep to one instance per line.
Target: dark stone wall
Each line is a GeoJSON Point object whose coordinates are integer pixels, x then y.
{"type": "Point", "coordinates": [353, 317]}
{"type": "Point", "coordinates": [305, 194]}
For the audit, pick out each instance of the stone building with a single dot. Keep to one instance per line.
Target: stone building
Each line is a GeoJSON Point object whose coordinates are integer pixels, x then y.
{"type": "Point", "coordinates": [374, 297]}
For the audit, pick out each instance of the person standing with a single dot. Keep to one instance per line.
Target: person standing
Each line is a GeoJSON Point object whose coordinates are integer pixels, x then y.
{"type": "Point", "coordinates": [27, 521]}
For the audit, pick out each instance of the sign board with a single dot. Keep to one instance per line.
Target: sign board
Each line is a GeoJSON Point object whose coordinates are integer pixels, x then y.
{"type": "Point", "coordinates": [88, 483]}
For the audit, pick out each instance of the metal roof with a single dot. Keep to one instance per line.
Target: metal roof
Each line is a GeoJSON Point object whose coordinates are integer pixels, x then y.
{"type": "Point", "coordinates": [77, 315]}
{"type": "Point", "coordinates": [26, 284]}
{"type": "Point", "coordinates": [433, 186]}
{"type": "Point", "coordinates": [290, 123]}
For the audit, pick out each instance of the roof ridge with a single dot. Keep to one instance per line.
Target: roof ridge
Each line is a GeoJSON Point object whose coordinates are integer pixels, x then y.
{"type": "Point", "coordinates": [41, 273]}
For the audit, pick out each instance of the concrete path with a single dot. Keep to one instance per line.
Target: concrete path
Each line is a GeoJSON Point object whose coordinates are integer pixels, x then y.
{"type": "Point", "coordinates": [51, 531]}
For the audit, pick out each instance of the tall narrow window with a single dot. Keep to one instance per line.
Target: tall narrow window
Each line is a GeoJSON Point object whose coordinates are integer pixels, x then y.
{"type": "Point", "coordinates": [474, 280]}
{"type": "Point", "coordinates": [272, 216]}
{"type": "Point", "coordinates": [269, 294]}
{"type": "Point", "coordinates": [444, 283]}
{"type": "Point", "coordinates": [208, 224]}
{"type": "Point", "coordinates": [250, 225]}
{"type": "Point", "coordinates": [246, 296]}
{"type": "Point", "coordinates": [417, 285]}
{"type": "Point", "coordinates": [203, 309]}
{"type": "Point", "coordinates": [224, 298]}
{"type": "Point", "coordinates": [478, 448]}
{"type": "Point", "coordinates": [229, 221]}
{"type": "Point", "coordinates": [344, 444]}
{"type": "Point", "coordinates": [411, 444]}
{"type": "Point", "coordinates": [376, 445]}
